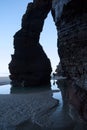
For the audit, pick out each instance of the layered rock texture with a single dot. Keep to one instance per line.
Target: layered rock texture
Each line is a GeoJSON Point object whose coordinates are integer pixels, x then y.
{"type": "Point", "coordinates": [70, 17]}
{"type": "Point", "coordinates": [29, 64]}
{"type": "Point", "coordinates": [72, 38]}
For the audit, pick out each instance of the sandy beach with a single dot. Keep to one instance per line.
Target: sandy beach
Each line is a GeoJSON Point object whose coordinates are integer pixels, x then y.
{"type": "Point", "coordinates": [18, 108]}
{"type": "Point", "coordinates": [34, 109]}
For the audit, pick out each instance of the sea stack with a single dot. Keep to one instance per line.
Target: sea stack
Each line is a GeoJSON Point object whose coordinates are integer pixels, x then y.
{"type": "Point", "coordinates": [30, 65]}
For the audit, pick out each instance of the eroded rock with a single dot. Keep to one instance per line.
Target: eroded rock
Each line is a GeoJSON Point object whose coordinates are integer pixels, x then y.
{"type": "Point", "coordinates": [70, 17]}
{"type": "Point", "coordinates": [30, 65]}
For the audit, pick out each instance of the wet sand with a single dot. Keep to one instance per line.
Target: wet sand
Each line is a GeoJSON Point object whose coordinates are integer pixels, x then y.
{"type": "Point", "coordinates": [17, 109]}
{"type": "Point", "coordinates": [35, 109]}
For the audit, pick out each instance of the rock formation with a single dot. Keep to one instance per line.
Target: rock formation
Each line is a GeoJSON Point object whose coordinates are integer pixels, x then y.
{"type": "Point", "coordinates": [72, 38]}
{"type": "Point", "coordinates": [70, 17]}
{"type": "Point", "coordinates": [29, 64]}
{"type": "Point", "coordinates": [76, 97]}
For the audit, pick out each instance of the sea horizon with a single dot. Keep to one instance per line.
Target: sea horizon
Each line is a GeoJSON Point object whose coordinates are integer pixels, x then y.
{"type": "Point", "coordinates": [4, 74]}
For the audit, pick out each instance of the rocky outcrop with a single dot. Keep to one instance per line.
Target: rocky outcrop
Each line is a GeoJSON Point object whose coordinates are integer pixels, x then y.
{"type": "Point", "coordinates": [75, 98]}
{"type": "Point", "coordinates": [70, 17]}
{"type": "Point", "coordinates": [29, 64]}
{"type": "Point", "coordinates": [72, 38]}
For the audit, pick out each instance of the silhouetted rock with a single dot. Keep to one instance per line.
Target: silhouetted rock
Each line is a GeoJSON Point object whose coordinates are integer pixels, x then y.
{"type": "Point", "coordinates": [29, 64]}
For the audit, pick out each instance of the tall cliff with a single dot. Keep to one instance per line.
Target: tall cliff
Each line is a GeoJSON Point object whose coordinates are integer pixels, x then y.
{"type": "Point", "coordinates": [29, 64]}
{"type": "Point", "coordinates": [70, 18]}
{"type": "Point", "coordinates": [71, 23]}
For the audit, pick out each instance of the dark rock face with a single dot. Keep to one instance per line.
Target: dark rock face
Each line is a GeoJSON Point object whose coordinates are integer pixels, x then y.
{"type": "Point", "coordinates": [75, 98]}
{"type": "Point", "coordinates": [71, 23]}
{"type": "Point", "coordinates": [29, 64]}
{"type": "Point", "coordinates": [72, 39]}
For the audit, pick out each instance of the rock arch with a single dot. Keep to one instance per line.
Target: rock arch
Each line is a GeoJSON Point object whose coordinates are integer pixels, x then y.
{"type": "Point", "coordinates": [29, 64]}
{"type": "Point", "coordinates": [71, 23]}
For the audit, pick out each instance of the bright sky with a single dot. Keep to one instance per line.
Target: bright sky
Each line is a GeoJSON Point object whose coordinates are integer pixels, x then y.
{"type": "Point", "coordinates": [11, 12]}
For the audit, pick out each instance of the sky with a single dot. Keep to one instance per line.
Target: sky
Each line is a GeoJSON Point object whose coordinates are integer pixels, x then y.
{"type": "Point", "coordinates": [11, 12]}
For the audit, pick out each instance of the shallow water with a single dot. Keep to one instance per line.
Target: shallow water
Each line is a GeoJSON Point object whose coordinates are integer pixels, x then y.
{"type": "Point", "coordinates": [62, 116]}
{"type": "Point", "coordinates": [5, 89]}
{"type": "Point", "coordinates": [8, 89]}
